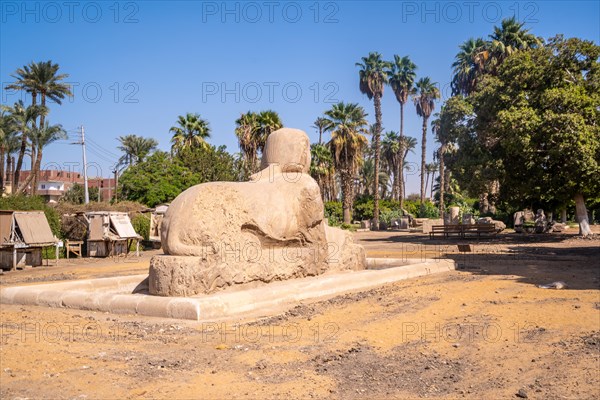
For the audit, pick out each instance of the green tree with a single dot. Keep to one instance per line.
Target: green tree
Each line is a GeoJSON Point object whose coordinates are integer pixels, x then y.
{"type": "Point", "coordinates": [348, 121]}
{"type": "Point", "coordinates": [39, 78]}
{"type": "Point", "coordinates": [76, 195]}
{"type": "Point", "coordinates": [322, 170]}
{"type": "Point", "coordinates": [161, 177]}
{"type": "Point", "coordinates": [469, 65]}
{"type": "Point", "coordinates": [402, 75]}
{"type": "Point", "coordinates": [509, 38]}
{"type": "Point", "coordinates": [24, 120]}
{"type": "Point", "coordinates": [322, 125]}
{"type": "Point", "coordinates": [135, 149]}
{"type": "Point", "coordinates": [252, 131]}
{"type": "Point", "coordinates": [391, 152]}
{"type": "Point", "coordinates": [158, 179]}
{"type": "Point", "coordinates": [424, 98]}
{"type": "Point", "coordinates": [537, 121]}
{"type": "Point", "coordinates": [8, 138]}
{"type": "Point", "coordinates": [372, 80]}
{"type": "Point", "coordinates": [191, 132]}
{"type": "Point", "coordinates": [41, 137]}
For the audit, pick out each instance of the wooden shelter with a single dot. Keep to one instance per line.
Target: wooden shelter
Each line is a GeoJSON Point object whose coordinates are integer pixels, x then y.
{"type": "Point", "coordinates": [23, 235]}
{"type": "Point", "coordinates": [110, 234]}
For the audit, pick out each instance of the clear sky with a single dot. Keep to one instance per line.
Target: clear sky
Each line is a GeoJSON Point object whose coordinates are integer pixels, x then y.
{"type": "Point", "coordinates": [137, 65]}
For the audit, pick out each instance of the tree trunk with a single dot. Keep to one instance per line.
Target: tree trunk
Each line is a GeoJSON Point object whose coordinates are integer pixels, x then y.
{"type": "Point", "coordinates": [377, 101]}
{"type": "Point", "coordinates": [427, 182]}
{"type": "Point", "coordinates": [347, 197]}
{"type": "Point", "coordinates": [582, 216]}
{"type": "Point", "coordinates": [442, 176]}
{"type": "Point", "coordinates": [432, 180]}
{"type": "Point", "coordinates": [423, 155]}
{"type": "Point", "coordinates": [2, 157]}
{"type": "Point", "coordinates": [34, 167]}
{"type": "Point", "coordinates": [20, 158]}
{"type": "Point", "coordinates": [563, 215]}
{"type": "Point", "coordinates": [401, 192]}
{"type": "Point", "coordinates": [484, 205]}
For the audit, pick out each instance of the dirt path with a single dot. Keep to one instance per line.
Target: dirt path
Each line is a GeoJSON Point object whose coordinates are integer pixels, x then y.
{"type": "Point", "coordinates": [484, 331]}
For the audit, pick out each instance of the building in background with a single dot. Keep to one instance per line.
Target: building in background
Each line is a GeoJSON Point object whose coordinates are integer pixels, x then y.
{"type": "Point", "coordinates": [53, 184]}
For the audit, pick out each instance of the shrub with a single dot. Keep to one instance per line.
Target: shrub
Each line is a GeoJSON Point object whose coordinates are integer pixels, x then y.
{"type": "Point", "coordinates": [428, 210]}
{"type": "Point", "coordinates": [141, 224]}
{"type": "Point", "coordinates": [334, 213]}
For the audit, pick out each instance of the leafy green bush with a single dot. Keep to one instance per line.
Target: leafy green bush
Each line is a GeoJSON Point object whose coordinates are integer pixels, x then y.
{"type": "Point", "coordinates": [428, 210]}
{"type": "Point", "coordinates": [348, 227]}
{"type": "Point", "coordinates": [334, 213]}
{"type": "Point", "coordinates": [386, 216]}
{"type": "Point", "coordinates": [141, 224]}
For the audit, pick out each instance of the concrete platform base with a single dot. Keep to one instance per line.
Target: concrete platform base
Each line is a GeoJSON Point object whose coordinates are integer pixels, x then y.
{"type": "Point", "coordinates": [129, 294]}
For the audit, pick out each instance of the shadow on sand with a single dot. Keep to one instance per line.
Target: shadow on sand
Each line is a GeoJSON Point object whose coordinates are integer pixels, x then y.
{"type": "Point", "coordinates": [532, 259]}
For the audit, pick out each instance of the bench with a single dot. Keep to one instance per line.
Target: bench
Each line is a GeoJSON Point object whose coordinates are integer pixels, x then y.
{"type": "Point", "coordinates": [462, 231]}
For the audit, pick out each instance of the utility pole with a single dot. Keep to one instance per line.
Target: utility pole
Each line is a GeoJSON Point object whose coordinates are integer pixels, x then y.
{"type": "Point", "coordinates": [85, 180]}
{"type": "Point", "coordinates": [116, 172]}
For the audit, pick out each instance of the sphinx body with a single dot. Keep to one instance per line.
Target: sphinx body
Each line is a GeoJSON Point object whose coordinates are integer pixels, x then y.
{"type": "Point", "coordinates": [219, 234]}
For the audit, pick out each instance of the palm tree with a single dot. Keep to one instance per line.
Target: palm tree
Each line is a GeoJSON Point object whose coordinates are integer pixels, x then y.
{"type": "Point", "coordinates": [191, 133]}
{"type": "Point", "coordinates": [41, 137]}
{"type": "Point", "coordinates": [430, 168]}
{"type": "Point", "coordinates": [409, 144]}
{"type": "Point", "coordinates": [8, 132]}
{"type": "Point", "coordinates": [40, 78]}
{"type": "Point", "coordinates": [247, 126]}
{"type": "Point", "coordinates": [135, 149]}
{"type": "Point", "coordinates": [24, 119]}
{"type": "Point", "coordinates": [392, 153]}
{"type": "Point", "coordinates": [268, 122]}
{"type": "Point", "coordinates": [348, 121]}
{"type": "Point", "coordinates": [402, 75]}
{"type": "Point", "coordinates": [511, 37]}
{"type": "Point", "coordinates": [252, 132]}
{"type": "Point", "coordinates": [373, 78]}
{"type": "Point", "coordinates": [321, 168]}
{"type": "Point", "coordinates": [424, 100]}
{"type": "Point", "coordinates": [322, 124]}
{"type": "Point", "coordinates": [469, 64]}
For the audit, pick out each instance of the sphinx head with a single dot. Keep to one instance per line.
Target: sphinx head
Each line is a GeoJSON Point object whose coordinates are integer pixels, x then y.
{"type": "Point", "coordinates": [289, 149]}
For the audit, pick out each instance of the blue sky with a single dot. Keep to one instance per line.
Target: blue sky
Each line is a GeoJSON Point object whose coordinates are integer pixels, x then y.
{"type": "Point", "coordinates": [137, 65]}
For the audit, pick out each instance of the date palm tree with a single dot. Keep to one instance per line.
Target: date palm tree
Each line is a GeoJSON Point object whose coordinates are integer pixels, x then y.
{"type": "Point", "coordinates": [468, 66]}
{"type": "Point", "coordinates": [424, 98]}
{"type": "Point", "coordinates": [392, 153]}
{"type": "Point", "coordinates": [348, 121]}
{"type": "Point", "coordinates": [268, 122]}
{"type": "Point", "coordinates": [190, 132]}
{"type": "Point", "coordinates": [409, 144]}
{"type": "Point", "coordinates": [8, 136]}
{"type": "Point", "coordinates": [24, 119]}
{"type": "Point", "coordinates": [247, 125]}
{"type": "Point", "coordinates": [321, 169]}
{"type": "Point", "coordinates": [510, 37]}
{"type": "Point", "coordinates": [252, 132]}
{"type": "Point", "coordinates": [135, 149]}
{"type": "Point", "coordinates": [322, 125]}
{"type": "Point", "coordinates": [40, 78]}
{"type": "Point", "coordinates": [372, 80]}
{"type": "Point", "coordinates": [402, 75]}
{"type": "Point", "coordinates": [41, 137]}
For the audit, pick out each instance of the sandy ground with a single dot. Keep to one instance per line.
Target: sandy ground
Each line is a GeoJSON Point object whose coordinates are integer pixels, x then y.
{"type": "Point", "coordinates": [483, 331]}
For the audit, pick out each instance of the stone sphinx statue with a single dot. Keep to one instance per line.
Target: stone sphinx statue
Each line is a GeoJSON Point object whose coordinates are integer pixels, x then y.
{"type": "Point", "coordinates": [271, 228]}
